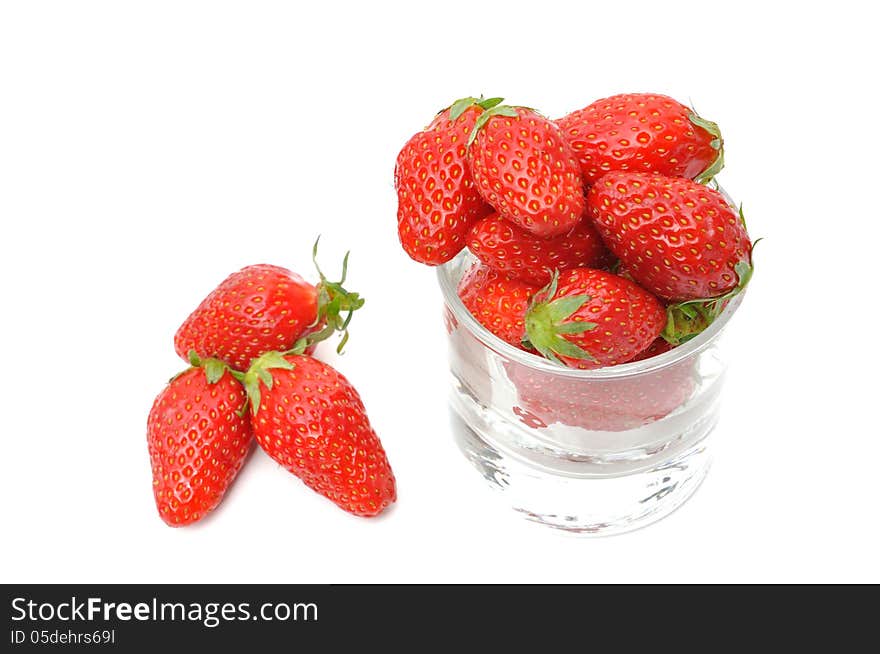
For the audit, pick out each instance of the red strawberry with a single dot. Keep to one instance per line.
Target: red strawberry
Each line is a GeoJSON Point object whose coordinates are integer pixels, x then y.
{"type": "Point", "coordinates": [614, 404]}
{"type": "Point", "coordinates": [524, 168]}
{"type": "Point", "coordinates": [263, 308]}
{"type": "Point", "coordinates": [311, 420]}
{"type": "Point", "coordinates": [197, 440]}
{"type": "Point", "coordinates": [436, 198]}
{"type": "Point", "coordinates": [658, 347]}
{"type": "Point", "coordinates": [678, 239]}
{"type": "Point", "coordinates": [592, 318]}
{"type": "Point", "coordinates": [497, 300]}
{"type": "Point", "coordinates": [683, 321]}
{"type": "Point", "coordinates": [643, 132]}
{"type": "Point", "coordinates": [501, 245]}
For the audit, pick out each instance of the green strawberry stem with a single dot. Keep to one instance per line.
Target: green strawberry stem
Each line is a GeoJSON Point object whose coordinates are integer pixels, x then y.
{"type": "Point", "coordinates": [742, 219]}
{"type": "Point", "coordinates": [717, 143]}
{"type": "Point", "coordinates": [495, 110]}
{"type": "Point", "coordinates": [457, 108]}
{"type": "Point", "coordinates": [336, 305]}
{"type": "Point", "coordinates": [260, 367]}
{"type": "Point", "coordinates": [214, 368]}
{"type": "Point", "coordinates": [214, 371]}
{"type": "Point", "coordinates": [546, 323]}
{"type": "Point", "coordinates": [259, 372]}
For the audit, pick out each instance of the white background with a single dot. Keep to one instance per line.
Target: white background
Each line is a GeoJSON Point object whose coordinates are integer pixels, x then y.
{"type": "Point", "coordinates": [149, 149]}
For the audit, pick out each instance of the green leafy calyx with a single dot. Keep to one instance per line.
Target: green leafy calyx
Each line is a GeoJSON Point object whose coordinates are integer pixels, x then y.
{"type": "Point", "coordinates": [488, 114]}
{"type": "Point", "coordinates": [685, 320]}
{"type": "Point", "coordinates": [214, 368]}
{"type": "Point", "coordinates": [336, 305]}
{"type": "Point", "coordinates": [717, 143]}
{"type": "Point", "coordinates": [259, 373]}
{"type": "Point", "coordinates": [457, 108]}
{"type": "Point", "coordinates": [547, 323]}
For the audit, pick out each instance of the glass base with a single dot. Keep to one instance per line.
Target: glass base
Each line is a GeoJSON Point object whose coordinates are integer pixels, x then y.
{"type": "Point", "coordinates": [577, 493]}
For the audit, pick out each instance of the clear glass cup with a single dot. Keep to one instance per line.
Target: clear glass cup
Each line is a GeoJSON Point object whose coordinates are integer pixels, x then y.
{"type": "Point", "coordinates": [588, 451]}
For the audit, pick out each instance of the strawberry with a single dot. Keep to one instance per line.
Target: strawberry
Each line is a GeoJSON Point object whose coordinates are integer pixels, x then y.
{"type": "Point", "coordinates": [591, 318]}
{"type": "Point", "coordinates": [524, 168]}
{"type": "Point", "coordinates": [311, 420]}
{"type": "Point", "coordinates": [643, 132]}
{"type": "Point", "coordinates": [198, 441]}
{"type": "Point", "coordinates": [678, 239]}
{"type": "Point", "coordinates": [501, 245]}
{"type": "Point", "coordinates": [262, 308]}
{"type": "Point", "coordinates": [436, 198]}
{"type": "Point", "coordinates": [658, 347]}
{"type": "Point", "coordinates": [683, 321]}
{"type": "Point", "coordinates": [614, 404]}
{"type": "Point", "coordinates": [497, 300]}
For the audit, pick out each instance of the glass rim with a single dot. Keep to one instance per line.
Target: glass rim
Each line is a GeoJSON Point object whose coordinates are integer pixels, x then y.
{"type": "Point", "coordinates": [449, 288]}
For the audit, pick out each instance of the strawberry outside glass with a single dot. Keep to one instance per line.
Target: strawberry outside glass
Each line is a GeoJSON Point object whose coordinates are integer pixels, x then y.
{"type": "Point", "coordinates": [587, 451]}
